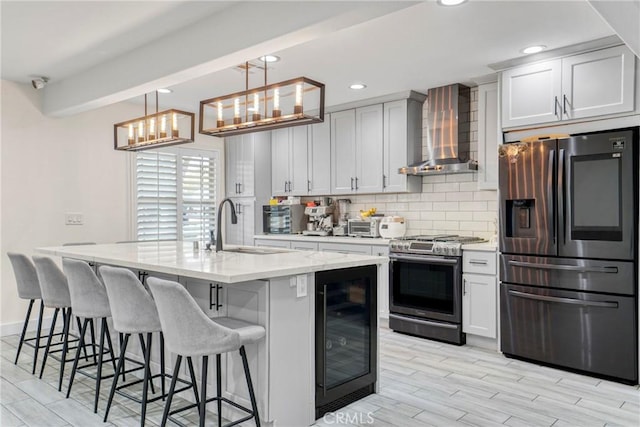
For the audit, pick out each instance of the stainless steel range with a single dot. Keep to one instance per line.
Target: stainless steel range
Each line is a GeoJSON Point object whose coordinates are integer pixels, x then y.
{"type": "Point", "coordinates": [425, 286]}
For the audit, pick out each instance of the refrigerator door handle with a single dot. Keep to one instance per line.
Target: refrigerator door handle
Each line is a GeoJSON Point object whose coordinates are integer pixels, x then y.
{"type": "Point", "coordinates": [562, 213]}
{"type": "Point", "coordinates": [551, 207]}
{"type": "Point", "coordinates": [576, 268]}
{"type": "Point", "coordinates": [573, 301]}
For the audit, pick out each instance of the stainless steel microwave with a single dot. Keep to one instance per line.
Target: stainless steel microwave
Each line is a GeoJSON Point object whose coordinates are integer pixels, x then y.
{"type": "Point", "coordinates": [283, 219]}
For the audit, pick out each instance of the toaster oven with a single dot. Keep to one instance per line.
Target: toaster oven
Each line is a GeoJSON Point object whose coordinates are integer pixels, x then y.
{"type": "Point", "coordinates": [363, 227]}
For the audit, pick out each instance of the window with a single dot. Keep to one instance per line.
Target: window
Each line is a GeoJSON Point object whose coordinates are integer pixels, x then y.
{"type": "Point", "coordinates": [176, 194]}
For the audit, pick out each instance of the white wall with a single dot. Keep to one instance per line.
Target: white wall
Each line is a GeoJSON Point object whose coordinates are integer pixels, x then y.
{"type": "Point", "coordinates": [52, 166]}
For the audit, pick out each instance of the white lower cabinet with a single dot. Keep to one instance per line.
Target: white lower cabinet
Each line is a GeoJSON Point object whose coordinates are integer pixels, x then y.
{"type": "Point", "coordinates": [345, 248]}
{"type": "Point", "coordinates": [268, 243]}
{"type": "Point", "coordinates": [479, 294]}
{"type": "Point", "coordinates": [304, 246]}
{"type": "Point", "coordinates": [383, 281]}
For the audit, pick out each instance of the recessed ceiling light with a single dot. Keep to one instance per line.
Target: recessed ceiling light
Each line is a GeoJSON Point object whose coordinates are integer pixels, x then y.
{"type": "Point", "coordinates": [533, 49]}
{"type": "Point", "coordinates": [357, 86]}
{"type": "Point", "coordinates": [269, 58]}
{"type": "Point", "coordinates": [450, 2]}
{"type": "Point", "coordinates": [164, 90]}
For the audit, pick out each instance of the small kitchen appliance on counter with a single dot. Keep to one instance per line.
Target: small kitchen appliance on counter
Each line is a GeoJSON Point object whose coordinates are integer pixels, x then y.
{"type": "Point", "coordinates": [320, 220]}
{"type": "Point", "coordinates": [363, 227]}
{"type": "Point", "coordinates": [392, 227]}
{"type": "Point", "coordinates": [425, 286]}
{"type": "Point", "coordinates": [283, 219]}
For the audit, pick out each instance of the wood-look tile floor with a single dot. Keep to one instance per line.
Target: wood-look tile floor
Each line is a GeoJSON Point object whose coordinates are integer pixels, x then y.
{"type": "Point", "coordinates": [422, 383]}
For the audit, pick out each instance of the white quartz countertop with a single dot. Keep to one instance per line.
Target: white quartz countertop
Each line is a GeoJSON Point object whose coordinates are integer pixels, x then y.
{"type": "Point", "coordinates": [181, 259]}
{"type": "Point", "coordinates": [371, 241]}
{"type": "Point", "coordinates": [486, 247]}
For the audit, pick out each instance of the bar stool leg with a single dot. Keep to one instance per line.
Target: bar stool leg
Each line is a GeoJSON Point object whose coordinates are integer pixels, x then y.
{"type": "Point", "coordinates": [162, 371]}
{"type": "Point", "coordinates": [147, 379]}
{"type": "Point", "coordinates": [144, 351]}
{"type": "Point", "coordinates": [24, 330]}
{"type": "Point", "coordinates": [252, 394]}
{"type": "Point", "coordinates": [77, 358]}
{"type": "Point", "coordinates": [203, 390]}
{"type": "Point", "coordinates": [194, 383]}
{"type": "Point", "coordinates": [123, 369]}
{"type": "Point", "coordinates": [93, 340]}
{"type": "Point", "coordinates": [110, 344]}
{"type": "Point", "coordinates": [65, 346]}
{"type": "Point", "coordinates": [219, 387]}
{"type": "Point", "coordinates": [46, 349]}
{"type": "Point", "coordinates": [84, 349]}
{"type": "Point", "coordinates": [120, 367]}
{"type": "Point", "coordinates": [37, 346]}
{"type": "Point", "coordinates": [103, 328]}
{"type": "Point", "coordinates": [172, 387]}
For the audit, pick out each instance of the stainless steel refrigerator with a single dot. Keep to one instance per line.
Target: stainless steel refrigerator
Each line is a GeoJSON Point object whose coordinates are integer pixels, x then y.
{"type": "Point", "coordinates": [568, 242]}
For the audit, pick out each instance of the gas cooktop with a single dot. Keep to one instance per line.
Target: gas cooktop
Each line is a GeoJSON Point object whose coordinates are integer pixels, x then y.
{"type": "Point", "coordinates": [434, 244]}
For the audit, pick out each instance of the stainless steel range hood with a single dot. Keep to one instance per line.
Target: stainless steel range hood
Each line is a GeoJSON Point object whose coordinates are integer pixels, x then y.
{"type": "Point", "coordinates": [448, 131]}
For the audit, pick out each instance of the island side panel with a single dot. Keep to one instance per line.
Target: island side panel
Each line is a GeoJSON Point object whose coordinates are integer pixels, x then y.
{"type": "Point", "coordinates": [292, 352]}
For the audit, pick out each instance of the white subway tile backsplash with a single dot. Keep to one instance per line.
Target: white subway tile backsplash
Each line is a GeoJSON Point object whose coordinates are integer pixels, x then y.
{"type": "Point", "coordinates": [489, 195]}
{"type": "Point", "coordinates": [434, 197]}
{"type": "Point", "coordinates": [421, 206]}
{"type": "Point", "coordinates": [446, 225]}
{"type": "Point", "coordinates": [485, 216]}
{"type": "Point", "coordinates": [473, 225]}
{"type": "Point", "coordinates": [386, 198]}
{"type": "Point", "coordinates": [473, 206]}
{"type": "Point", "coordinates": [459, 216]}
{"type": "Point", "coordinates": [433, 215]}
{"type": "Point", "coordinates": [434, 179]}
{"type": "Point", "coordinates": [468, 186]}
{"type": "Point", "coordinates": [446, 187]}
{"type": "Point", "coordinates": [398, 206]}
{"type": "Point", "coordinates": [460, 177]}
{"type": "Point", "coordinates": [408, 215]}
{"type": "Point", "coordinates": [410, 196]}
{"type": "Point", "coordinates": [466, 196]}
{"type": "Point", "coordinates": [447, 206]}
{"type": "Point", "coordinates": [421, 225]}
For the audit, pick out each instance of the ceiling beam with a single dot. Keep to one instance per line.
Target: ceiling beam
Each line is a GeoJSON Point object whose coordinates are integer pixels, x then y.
{"type": "Point", "coordinates": [245, 31]}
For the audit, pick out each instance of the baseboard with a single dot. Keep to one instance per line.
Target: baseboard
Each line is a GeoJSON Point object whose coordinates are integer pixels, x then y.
{"type": "Point", "coordinates": [483, 342]}
{"type": "Point", "coordinates": [15, 328]}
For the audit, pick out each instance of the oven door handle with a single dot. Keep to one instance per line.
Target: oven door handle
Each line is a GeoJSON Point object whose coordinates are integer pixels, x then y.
{"type": "Point", "coordinates": [577, 268]}
{"type": "Point", "coordinates": [425, 258]}
{"type": "Point", "coordinates": [425, 322]}
{"type": "Point", "coordinates": [573, 301]}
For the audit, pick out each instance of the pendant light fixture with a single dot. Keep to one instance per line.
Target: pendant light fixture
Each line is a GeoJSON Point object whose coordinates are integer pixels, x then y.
{"type": "Point", "coordinates": [294, 102]}
{"type": "Point", "coordinates": [159, 129]}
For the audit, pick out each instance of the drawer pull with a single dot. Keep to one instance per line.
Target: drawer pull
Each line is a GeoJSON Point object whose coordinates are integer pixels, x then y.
{"type": "Point", "coordinates": [478, 262]}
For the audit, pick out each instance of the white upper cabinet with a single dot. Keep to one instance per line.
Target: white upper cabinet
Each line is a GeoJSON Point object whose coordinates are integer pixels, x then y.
{"type": "Point", "coordinates": [489, 136]}
{"type": "Point", "coordinates": [580, 86]}
{"type": "Point", "coordinates": [530, 94]}
{"type": "Point", "coordinates": [319, 158]}
{"type": "Point", "coordinates": [300, 160]}
{"type": "Point", "coordinates": [368, 177]}
{"type": "Point", "coordinates": [402, 144]}
{"type": "Point", "coordinates": [343, 151]}
{"type": "Point", "coordinates": [598, 83]}
{"type": "Point", "coordinates": [240, 173]}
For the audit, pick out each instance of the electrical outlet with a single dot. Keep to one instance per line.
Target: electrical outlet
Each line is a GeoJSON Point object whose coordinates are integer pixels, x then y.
{"type": "Point", "coordinates": [74, 218]}
{"type": "Point", "coordinates": [301, 286]}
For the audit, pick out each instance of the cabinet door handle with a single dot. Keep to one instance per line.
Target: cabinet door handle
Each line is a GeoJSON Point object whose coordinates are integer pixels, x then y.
{"type": "Point", "coordinates": [240, 187]}
{"type": "Point", "coordinates": [356, 183]}
{"type": "Point", "coordinates": [308, 185]}
{"type": "Point", "coordinates": [289, 186]}
{"type": "Point", "coordinates": [218, 305]}
{"type": "Point", "coordinates": [211, 304]}
{"type": "Point", "coordinates": [564, 104]}
{"type": "Point", "coordinates": [285, 186]}
{"type": "Point", "coordinates": [384, 181]}
{"type": "Point", "coordinates": [555, 105]}
{"type": "Point", "coordinates": [464, 286]}
{"type": "Point", "coordinates": [352, 183]}
{"type": "Point", "coordinates": [478, 262]}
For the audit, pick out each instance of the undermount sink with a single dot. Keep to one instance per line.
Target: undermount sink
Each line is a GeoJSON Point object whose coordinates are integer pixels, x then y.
{"type": "Point", "coordinates": [256, 251]}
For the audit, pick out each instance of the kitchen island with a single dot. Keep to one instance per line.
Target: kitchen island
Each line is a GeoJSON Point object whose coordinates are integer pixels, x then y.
{"type": "Point", "coordinates": [271, 287]}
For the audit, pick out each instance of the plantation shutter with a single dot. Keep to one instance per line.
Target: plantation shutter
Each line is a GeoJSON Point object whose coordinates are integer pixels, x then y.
{"type": "Point", "coordinates": [156, 196]}
{"type": "Point", "coordinates": [198, 195]}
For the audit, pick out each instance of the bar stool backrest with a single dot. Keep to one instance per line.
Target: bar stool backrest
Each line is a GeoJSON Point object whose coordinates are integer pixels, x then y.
{"type": "Point", "coordinates": [53, 283]}
{"type": "Point", "coordinates": [26, 276]}
{"type": "Point", "coordinates": [187, 330]}
{"type": "Point", "coordinates": [88, 294]}
{"type": "Point", "coordinates": [132, 308]}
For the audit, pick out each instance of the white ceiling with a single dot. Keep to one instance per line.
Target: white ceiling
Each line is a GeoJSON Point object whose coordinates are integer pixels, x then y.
{"type": "Point", "coordinates": [416, 47]}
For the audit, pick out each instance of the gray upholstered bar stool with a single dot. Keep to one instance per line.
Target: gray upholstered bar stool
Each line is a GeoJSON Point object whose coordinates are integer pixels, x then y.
{"type": "Point", "coordinates": [55, 294]}
{"type": "Point", "coordinates": [28, 288]}
{"type": "Point", "coordinates": [189, 332]}
{"type": "Point", "coordinates": [134, 312]}
{"type": "Point", "coordinates": [89, 301]}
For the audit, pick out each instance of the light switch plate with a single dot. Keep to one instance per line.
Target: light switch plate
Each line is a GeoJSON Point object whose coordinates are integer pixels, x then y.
{"type": "Point", "coordinates": [301, 286]}
{"type": "Point", "coordinates": [74, 218]}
